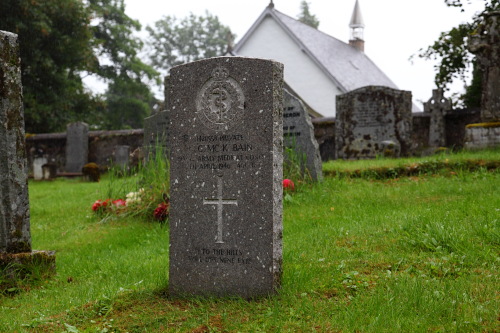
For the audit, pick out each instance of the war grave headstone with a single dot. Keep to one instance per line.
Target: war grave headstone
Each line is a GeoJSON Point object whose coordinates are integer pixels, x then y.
{"type": "Point", "coordinates": [437, 106]}
{"type": "Point", "coordinates": [369, 118]}
{"type": "Point", "coordinates": [77, 146]}
{"type": "Point", "coordinates": [15, 236]}
{"type": "Point", "coordinates": [226, 177]}
{"type": "Point", "coordinates": [298, 133]}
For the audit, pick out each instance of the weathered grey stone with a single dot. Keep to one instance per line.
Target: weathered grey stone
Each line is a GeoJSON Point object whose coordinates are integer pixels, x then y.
{"type": "Point", "coordinates": [370, 115]}
{"type": "Point", "coordinates": [77, 146]}
{"type": "Point", "coordinates": [438, 107]}
{"type": "Point", "coordinates": [156, 128]}
{"type": "Point", "coordinates": [485, 44]}
{"type": "Point", "coordinates": [299, 135]}
{"type": "Point", "coordinates": [17, 261]}
{"type": "Point", "coordinates": [156, 134]}
{"type": "Point", "coordinates": [122, 156]}
{"type": "Point", "coordinates": [14, 214]}
{"type": "Point", "coordinates": [226, 177]}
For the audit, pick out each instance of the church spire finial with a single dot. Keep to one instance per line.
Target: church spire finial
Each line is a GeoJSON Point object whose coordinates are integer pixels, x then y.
{"type": "Point", "coordinates": [357, 26]}
{"type": "Point", "coordinates": [271, 4]}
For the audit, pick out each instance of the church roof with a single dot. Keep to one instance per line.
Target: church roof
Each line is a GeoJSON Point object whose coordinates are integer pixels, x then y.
{"type": "Point", "coordinates": [348, 67]}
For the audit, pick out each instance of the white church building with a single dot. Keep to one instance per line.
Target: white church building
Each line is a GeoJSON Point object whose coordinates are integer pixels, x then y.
{"type": "Point", "coordinates": [318, 67]}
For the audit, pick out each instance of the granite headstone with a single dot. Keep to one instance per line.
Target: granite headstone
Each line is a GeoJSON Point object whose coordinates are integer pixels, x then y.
{"type": "Point", "coordinates": [15, 235]}
{"type": "Point", "coordinates": [298, 132]}
{"type": "Point", "coordinates": [368, 117]}
{"type": "Point", "coordinates": [77, 146]}
{"type": "Point", "coordinates": [226, 177]}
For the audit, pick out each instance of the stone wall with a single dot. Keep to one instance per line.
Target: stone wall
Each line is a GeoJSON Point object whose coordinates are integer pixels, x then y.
{"type": "Point", "coordinates": [482, 135]}
{"type": "Point", "coordinates": [101, 146]}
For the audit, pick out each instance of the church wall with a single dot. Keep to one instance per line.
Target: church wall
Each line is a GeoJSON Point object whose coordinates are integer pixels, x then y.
{"type": "Point", "coordinates": [270, 41]}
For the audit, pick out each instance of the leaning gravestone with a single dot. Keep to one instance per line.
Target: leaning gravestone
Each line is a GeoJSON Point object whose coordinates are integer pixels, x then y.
{"type": "Point", "coordinates": [77, 146]}
{"type": "Point", "coordinates": [298, 132]}
{"type": "Point", "coordinates": [15, 237]}
{"type": "Point", "coordinates": [226, 177]}
{"type": "Point", "coordinates": [370, 117]}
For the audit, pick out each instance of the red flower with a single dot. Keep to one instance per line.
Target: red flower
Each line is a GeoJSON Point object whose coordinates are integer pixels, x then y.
{"type": "Point", "coordinates": [99, 204]}
{"type": "Point", "coordinates": [119, 203]}
{"type": "Point", "coordinates": [161, 212]}
{"type": "Point", "coordinates": [288, 185]}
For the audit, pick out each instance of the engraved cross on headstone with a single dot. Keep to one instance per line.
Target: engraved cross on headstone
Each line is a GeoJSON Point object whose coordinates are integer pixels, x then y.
{"type": "Point", "coordinates": [219, 202]}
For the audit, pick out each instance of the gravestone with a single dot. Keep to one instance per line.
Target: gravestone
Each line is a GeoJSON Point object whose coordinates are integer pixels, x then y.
{"type": "Point", "coordinates": [38, 162]}
{"type": "Point", "coordinates": [485, 44]}
{"type": "Point", "coordinates": [226, 177]}
{"type": "Point", "coordinates": [438, 107]}
{"type": "Point", "coordinates": [156, 129]}
{"type": "Point", "coordinates": [77, 146]}
{"type": "Point", "coordinates": [122, 156]}
{"type": "Point", "coordinates": [15, 237]}
{"type": "Point", "coordinates": [368, 117]}
{"type": "Point", "coordinates": [298, 133]}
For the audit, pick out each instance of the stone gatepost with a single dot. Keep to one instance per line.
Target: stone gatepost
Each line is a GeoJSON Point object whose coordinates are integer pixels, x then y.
{"type": "Point", "coordinates": [15, 236]}
{"type": "Point", "coordinates": [438, 107]}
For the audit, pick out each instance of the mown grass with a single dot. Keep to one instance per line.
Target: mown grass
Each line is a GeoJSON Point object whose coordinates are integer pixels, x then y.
{"type": "Point", "coordinates": [414, 254]}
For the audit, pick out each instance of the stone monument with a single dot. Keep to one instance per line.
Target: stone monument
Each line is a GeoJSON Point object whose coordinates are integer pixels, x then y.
{"type": "Point", "coordinates": [226, 177]}
{"type": "Point", "coordinates": [77, 146]}
{"type": "Point", "coordinates": [485, 44]}
{"type": "Point", "coordinates": [15, 237]}
{"type": "Point", "coordinates": [298, 132]}
{"type": "Point", "coordinates": [438, 107]}
{"type": "Point", "coordinates": [370, 117]}
{"type": "Point", "coordinates": [156, 129]}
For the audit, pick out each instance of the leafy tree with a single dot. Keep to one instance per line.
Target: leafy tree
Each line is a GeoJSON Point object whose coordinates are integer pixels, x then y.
{"type": "Point", "coordinates": [174, 42]}
{"type": "Point", "coordinates": [61, 40]}
{"type": "Point", "coordinates": [454, 56]}
{"type": "Point", "coordinates": [128, 96]}
{"type": "Point", "coordinates": [306, 17]}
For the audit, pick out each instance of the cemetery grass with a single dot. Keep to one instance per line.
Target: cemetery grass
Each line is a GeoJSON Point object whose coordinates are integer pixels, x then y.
{"type": "Point", "coordinates": [412, 254]}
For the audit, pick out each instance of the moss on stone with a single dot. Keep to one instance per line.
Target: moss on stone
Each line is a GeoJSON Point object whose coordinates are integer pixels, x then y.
{"type": "Point", "coordinates": [485, 125]}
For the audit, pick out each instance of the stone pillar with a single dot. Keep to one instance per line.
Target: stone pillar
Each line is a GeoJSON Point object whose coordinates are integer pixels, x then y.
{"type": "Point", "coordinates": [14, 216]}
{"type": "Point", "coordinates": [486, 46]}
{"type": "Point", "coordinates": [437, 106]}
{"type": "Point", "coordinates": [77, 146]}
{"type": "Point", "coordinates": [17, 261]}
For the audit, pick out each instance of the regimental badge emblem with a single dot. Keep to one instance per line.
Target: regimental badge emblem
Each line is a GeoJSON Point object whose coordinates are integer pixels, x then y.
{"type": "Point", "coordinates": [220, 101]}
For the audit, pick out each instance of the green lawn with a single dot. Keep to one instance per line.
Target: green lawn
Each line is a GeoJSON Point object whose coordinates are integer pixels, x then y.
{"type": "Point", "coordinates": [411, 254]}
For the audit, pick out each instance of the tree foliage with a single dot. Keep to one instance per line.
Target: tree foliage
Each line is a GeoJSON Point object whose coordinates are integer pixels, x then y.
{"type": "Point", "coordinates": [306, 17]}
{"type": "Point", "coordinates": [61, 40]}
{"type": "Point", "coordinates": [174, 42]}
{"type": "Point", "coordinates": [454, 58]}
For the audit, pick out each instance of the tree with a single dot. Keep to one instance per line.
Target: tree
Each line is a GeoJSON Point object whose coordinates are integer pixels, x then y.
{"type": "Point", "coordinates": [61, 40]}
{"type": "Point", "coordinates": [129, 98]}
{"type": "Point", "coordinates": [306, 17]}
{"type": "Point", "coordinates": [174, 42]}
{"type": "Point", "coordinates": [455, 59]}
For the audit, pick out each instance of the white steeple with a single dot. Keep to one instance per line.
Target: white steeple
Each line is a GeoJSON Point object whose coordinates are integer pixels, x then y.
{"type": "Point", "coordinates": [357, 26]}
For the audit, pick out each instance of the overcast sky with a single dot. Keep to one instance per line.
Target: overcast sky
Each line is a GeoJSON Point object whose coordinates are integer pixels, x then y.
{"type": "Point", "coordinates": [395, 29]}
